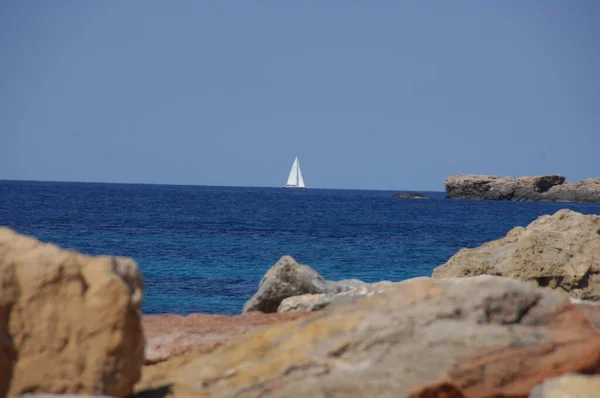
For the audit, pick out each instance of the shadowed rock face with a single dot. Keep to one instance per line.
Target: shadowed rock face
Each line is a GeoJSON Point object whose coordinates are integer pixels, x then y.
{"type": "Point", "coordinates": [464, 337]}
{"type": "Point", "coordinates": [540, 188]}
{"type": "Point", "coordinates": [69, 323]}
{"type": "Point", "coordinates": [561, 251]}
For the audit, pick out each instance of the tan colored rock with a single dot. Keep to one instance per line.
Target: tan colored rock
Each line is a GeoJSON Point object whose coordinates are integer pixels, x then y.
{"type": "Point", "coordinates": [561, 251]}
{"type": "Point", "coordinates": [569, 386]}
{"type": "Point", "coordinates": [69, 323]}
{"type": "Point", "coordinates": [464, 337]}
{"type": "Point", "coordinates": [171, 335]}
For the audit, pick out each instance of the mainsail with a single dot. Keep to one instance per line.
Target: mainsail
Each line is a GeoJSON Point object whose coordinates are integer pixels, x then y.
{"type": "Point", "coordinates": [295, 179]}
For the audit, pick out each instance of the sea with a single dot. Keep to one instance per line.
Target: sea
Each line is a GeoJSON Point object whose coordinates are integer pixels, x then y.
{"type": "Point", "coordinates": [205, 248]}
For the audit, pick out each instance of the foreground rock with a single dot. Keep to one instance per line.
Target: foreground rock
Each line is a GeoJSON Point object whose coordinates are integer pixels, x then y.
{"type": "Point", "coordinates": [68, 323]}
{"type": "Point", "coordinates": [561, 251]}
{"type": "Point", "coordinates": [540, 188]}
{"type": "Point", "coordinates": [171, 335]}
{"type": "Point", "coordinates": [464, 337]}
{"type": "Point", "coordinates": [567, 386]}
{"type": "Point", "coordinates": [287, 279]}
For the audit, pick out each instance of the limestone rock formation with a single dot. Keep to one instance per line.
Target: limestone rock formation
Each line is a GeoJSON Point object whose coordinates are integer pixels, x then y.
{"type": "Point", "coordinates": [538, 188]}
{"type": "Point", "coordinates": [69, 323]}
{"type": "Point", "coordinates": [570, 385]}
{"type": "Point", "coordinates": [464, 337]}
{"type": "Point", "coordinates": [170, 335]}
{"type": "Point", "coordinates": [561, 251]}
{"type": "Point", "coordinates": [287, 279]}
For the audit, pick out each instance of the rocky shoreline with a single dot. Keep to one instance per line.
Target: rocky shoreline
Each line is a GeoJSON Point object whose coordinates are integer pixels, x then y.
{"type": "Point", "coordinates": [515, 317]}
{"type": "Point", "coordinates": [552, 188]}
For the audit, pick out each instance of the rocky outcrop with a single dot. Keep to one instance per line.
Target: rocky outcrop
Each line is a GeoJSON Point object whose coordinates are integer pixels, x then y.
{"type": "Point", "coordinates": [561, 251]}
{"type": "Point", "coordinates": [171, 335]}
{"type": "Point", "coordinates": [463, 337]}
{"type": "Point", "coordinates": [68, 323]}
{"type": "Point", "coordinates": [570, 385]}
{"type": "Point", "coordinates": [287, 279]}
{"type": "Point", "coordinates": [404, 195]}
{"type": "Point", "coordinates": [540, 188]}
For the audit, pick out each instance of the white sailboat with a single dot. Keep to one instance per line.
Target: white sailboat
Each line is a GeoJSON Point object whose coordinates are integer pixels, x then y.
{"type": "Point", "coordinates": [295, 179]}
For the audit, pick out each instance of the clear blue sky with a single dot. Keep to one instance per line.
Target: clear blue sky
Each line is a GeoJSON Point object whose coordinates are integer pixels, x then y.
{"type": "Point", "coordinates": [373, 95]}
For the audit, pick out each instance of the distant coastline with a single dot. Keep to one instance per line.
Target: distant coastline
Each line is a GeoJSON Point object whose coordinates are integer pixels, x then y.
{"type": "Point", "coordinates": [548, 188]}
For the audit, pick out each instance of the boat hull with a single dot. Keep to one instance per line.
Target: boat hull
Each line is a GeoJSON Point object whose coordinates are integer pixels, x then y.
{"type": "Point", "coordinates": [292, 187]}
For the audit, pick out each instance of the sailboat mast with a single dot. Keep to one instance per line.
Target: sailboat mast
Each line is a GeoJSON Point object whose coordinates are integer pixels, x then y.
{"type": "Point", "coordinates": [297, 174]}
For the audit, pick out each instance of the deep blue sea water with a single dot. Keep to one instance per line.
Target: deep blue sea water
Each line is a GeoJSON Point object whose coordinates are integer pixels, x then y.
{"type": "Point", "coordinates": [204, 249]}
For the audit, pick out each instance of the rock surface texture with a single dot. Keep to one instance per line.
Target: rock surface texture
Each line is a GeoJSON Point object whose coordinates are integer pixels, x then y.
{"type": "Point", "coordinates": [68, 323]}
{"type": "Point", "coordinates": [561, 251]}
{"type": "Point", "coordinates": [305, 289]}
{"type": "Point", "coordinates": [479, 337]}
{"type": "Point", "coordinates": [540, 188]}
{"type": "Point", "coordinates": [171, 335]}
{"type": "Point", "coordinates": [569, 386]}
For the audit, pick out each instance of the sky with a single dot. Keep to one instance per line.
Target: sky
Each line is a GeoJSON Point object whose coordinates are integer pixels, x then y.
{"type": "Point", "coordinates": [392, 95]}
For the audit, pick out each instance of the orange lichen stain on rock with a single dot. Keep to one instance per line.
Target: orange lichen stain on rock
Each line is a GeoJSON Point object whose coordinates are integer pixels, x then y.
{"type": "Point", "coordinates": [574, 347]}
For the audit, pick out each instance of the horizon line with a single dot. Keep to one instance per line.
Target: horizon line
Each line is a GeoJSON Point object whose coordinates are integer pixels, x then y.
{"type": "Point", "coordinates": [207, 185]}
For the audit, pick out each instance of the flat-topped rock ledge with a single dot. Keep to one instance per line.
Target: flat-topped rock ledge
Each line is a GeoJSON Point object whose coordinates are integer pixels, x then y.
{"type": "Point", "coordinates": [172, 335]}
{"type": "Point", "coordinates": [552, 188]}
{"type": "Point", "coordinates": [561, 251]}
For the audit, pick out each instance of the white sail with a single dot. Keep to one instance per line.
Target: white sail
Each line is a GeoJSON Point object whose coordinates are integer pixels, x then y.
{"type": "Point", "coordinates": [300, 179]}
{"type": "Point", "coordinates": [295, 179]}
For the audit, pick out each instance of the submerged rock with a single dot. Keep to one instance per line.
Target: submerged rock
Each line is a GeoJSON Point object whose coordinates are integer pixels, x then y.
{"type": "Point", "coordinates": [288, 279]}
{"type": "Point", "coordinates": [403, 195]}
{"type": "Point", "coordinates": [69, 323]}
{"type": "Point", "coordinates": [538, 188]}
{"type": "Point", "coordinates": [464, 337]}
{"type": "Point", "coordinates": [561, 251]}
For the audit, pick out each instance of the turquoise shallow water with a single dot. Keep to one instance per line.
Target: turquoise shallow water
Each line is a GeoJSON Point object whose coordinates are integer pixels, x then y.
{"type": "Point", "coordinates": [204, 249]}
